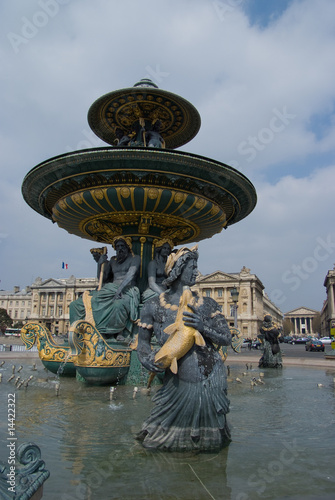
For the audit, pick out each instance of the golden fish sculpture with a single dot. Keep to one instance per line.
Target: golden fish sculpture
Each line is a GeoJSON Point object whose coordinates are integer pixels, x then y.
{"type": "Point", "coordinates": [181, 337]}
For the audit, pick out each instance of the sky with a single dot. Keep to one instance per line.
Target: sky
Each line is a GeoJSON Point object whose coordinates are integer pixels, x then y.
{"type": "Point", "coordinates": [261, 74]}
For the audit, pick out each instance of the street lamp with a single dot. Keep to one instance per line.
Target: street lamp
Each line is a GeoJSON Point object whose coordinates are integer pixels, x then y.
{"type": "Point", "coordinates": [234, 295]}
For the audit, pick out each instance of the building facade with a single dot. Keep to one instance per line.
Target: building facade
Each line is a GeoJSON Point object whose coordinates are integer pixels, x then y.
{"type": "Point", "coordinates": [17, 303]}
{"type": "Point", "coordinates": [49, 300]}
{"type": "Point", "coordinates": [302, 321]}
{"type": "Point", "coordinates": [252, 305]}
{"type": "Point", "coordinates": [328, 309]}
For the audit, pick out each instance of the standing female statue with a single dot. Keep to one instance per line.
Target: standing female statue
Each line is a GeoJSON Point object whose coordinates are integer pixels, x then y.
{"type": "Point", "coordinates": [269, 335]}
{"type": "Point", "coordinates": [190, 408]}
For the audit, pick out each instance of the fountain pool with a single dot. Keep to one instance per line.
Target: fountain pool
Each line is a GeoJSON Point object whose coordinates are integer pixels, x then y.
{"type": "Point", "coordinates": [283, 439]}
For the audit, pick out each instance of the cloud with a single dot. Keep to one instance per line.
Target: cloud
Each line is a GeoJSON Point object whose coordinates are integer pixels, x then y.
{"type": "Point", "coordinates": [265, 94]}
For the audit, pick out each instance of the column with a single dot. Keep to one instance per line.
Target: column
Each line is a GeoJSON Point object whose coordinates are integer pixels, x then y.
{"type": "Point", "coordinates": [331, 300]}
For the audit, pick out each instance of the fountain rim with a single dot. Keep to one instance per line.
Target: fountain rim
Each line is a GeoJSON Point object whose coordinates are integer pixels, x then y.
{"type": "Point", "coordinates": [79, 152]}
{"type": "Point", "coordinates": [38, 174]}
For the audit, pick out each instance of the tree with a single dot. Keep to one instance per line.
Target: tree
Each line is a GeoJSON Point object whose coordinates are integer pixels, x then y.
{"type": "Point", "coordinates": [5, 320]}
{"type": "Point", "coordinates": [18, 324]}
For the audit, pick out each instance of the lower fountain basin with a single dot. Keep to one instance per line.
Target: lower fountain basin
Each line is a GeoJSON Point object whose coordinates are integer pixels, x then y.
{"type": "Point", "coordinates": [282, 439]}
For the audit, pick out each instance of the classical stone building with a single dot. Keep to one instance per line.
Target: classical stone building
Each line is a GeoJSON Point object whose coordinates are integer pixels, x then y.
{"type": "Point", "coordinates": [328, 309]}
{"type": "Point", "coordinates": [17, 303]}
{"type": "Point", "coordinates": [252, 303]}
{"type": "Point", "coordinates": [51, 299]}
{"type": "Point", "coordinates": [302, 321]}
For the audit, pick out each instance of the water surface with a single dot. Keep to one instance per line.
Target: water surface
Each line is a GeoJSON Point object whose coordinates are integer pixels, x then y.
{"type": "Point", "coordinates": [282, 448]}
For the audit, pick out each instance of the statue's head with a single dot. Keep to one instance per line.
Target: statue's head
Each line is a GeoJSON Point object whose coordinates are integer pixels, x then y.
{"type": "Point", "coordinates": [268, 318]}
{"type": "Point", "coordinates": [122, 247]}
{"type": "Point", "coordinates": [157, 125]}
{"type": "Point", "coordinates": [183, 265]}
{"type": "Point", "coordinates": [164, 247]}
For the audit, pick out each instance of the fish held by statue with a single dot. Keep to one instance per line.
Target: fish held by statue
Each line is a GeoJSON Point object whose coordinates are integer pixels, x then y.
{"type": "Point", "coordinates": [181, 337]}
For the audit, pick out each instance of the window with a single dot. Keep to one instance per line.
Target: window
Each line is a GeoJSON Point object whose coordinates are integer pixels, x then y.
{"type": "Point", "coordinates": [232, 310]}
{"type": "Point", "coordinates": [220, 292]}
{"type": "Point", "coordinates": [208, 293]}
{"type": "Point", "coordinates": [60, 310]}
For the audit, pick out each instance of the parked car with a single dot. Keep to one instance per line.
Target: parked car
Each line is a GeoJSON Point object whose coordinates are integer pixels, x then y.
{"type": "Point", "coordinates": [256, 344]}
{"type": "Point", "coordinates": [299, 340]}
{"type": "Point", "coordinates": [314, 345]}
{"type": "Point", "coordinates": [326, 340]}
{"type": "Point", "coordinates": [287, 339]}
{"type": "Point", "coordinates": [246, 343]}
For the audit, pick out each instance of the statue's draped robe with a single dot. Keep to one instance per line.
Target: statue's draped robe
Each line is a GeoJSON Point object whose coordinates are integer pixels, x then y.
{"type": "Point", "coordinates": [272, 357]}
{"type": "Point", "coordinates": [111, 317]}
{"type": "Point", "coordinates": [190, 408]}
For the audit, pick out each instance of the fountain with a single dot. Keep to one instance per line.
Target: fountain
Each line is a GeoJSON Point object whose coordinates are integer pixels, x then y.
{"type": "Point", "coordinates": [282, 444]}
{"type": "Point", "coordinates": [139, 189]}
{"type": "Point", "coordinates": [281, 418]}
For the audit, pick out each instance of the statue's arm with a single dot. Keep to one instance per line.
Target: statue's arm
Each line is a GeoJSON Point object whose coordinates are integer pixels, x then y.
{"type": "Point", "coordinates": [130, 276]}
{"type": "Point", "coordinates": [145, 354]}
{"type": "Point", "coordinates": [152, 274]}
{"type": "Point", "coordinates": [210, 322]}
{"type": "Point", "coordinates": [217, 330]}
{"type": "Point", "coordinates": [104, 267]}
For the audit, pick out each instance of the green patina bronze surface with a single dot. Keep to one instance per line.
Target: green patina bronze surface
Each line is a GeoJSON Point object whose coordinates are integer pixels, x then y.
{"type": "Point", "coordinates": [141, 188]}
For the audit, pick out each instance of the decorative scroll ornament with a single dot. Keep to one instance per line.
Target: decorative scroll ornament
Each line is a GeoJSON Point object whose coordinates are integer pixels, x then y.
{"type": "Point", "coordinates": [22, 481]}
{"type": "Point", "coordinates": [94, 350]}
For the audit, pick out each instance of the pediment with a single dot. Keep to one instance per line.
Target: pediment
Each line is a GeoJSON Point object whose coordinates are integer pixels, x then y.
{"type": "Point", "coordinates": [215, 277]}
{"type": "Point", "coordinates": [51, 283]}
{"type": "Point", "coordinates": [301, 311]}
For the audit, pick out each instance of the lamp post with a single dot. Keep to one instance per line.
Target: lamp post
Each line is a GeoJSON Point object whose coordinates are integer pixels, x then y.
{"type": "Point", "coordinates": [234, 295]}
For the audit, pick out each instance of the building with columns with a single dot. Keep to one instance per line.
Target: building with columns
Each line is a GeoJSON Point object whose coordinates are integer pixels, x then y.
{"type": "Point", "coordinates": [253, 304]}
{"type": "Point", "coordinates": [328, 309]}
{"type": "Point", "coordinates": [49, 300]}
{"type": "Point", "coordinates": [302, 321]}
